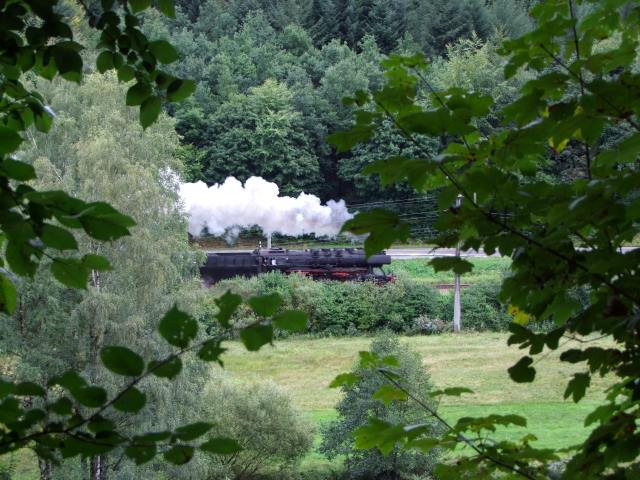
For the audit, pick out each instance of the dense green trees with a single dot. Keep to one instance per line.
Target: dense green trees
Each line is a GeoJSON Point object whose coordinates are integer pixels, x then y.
{"type": "Point", "coordinates": [321, 51]}
{"type": "Point", "coordinates": [96, 151]}
{"type": "Point", "coordinates": [261, 134]}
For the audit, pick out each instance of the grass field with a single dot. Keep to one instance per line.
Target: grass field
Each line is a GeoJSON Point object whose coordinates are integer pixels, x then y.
{"type": "Point", "coordinates": [304, 367]}
{"type": "Point", "coordinates": [419, 270]}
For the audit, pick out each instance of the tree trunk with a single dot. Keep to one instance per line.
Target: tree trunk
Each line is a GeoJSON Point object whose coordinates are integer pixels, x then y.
{"type": "Point", "coordinates": [46, 469]}
{"type": "Point", "coordinates": [98, 468]}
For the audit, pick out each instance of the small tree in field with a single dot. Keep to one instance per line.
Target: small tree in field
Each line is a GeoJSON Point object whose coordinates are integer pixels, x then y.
{"type": "Point", "coordinates": [274, 436]}
{"type": "Point", "coordinates": [359, 404]}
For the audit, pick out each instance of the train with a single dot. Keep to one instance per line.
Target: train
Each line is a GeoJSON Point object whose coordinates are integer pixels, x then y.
{"type": "Point", "coordinates": [344, 264]}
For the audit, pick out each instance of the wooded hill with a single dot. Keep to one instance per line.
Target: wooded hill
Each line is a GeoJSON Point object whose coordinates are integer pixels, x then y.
{"type": "Point", "coordinates": [272, 74]}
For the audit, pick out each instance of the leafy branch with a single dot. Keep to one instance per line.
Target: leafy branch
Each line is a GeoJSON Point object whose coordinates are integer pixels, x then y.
{"type": "Point", "coordinates": [179, 330]}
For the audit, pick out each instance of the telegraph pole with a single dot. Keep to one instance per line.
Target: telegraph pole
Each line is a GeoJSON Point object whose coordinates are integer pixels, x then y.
{"type": "Point", "coordinates": [457, 308]}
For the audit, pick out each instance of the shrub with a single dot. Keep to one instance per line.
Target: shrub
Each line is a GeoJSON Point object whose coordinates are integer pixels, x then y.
{"type": "Point", "coordinates": [425, 325]}
{"type": "Point", "coordinates": [260, 416]}
{"type": "Point", "coordinates": [357, 405]}
{"type": "Point", "coordinates": [481, 308]}
{"type": "Point", "coordinates": [352, 308]}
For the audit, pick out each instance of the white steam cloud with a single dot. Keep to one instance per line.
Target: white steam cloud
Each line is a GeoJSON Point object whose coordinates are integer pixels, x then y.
{"type": "Point", "coordinates": [223, 208]}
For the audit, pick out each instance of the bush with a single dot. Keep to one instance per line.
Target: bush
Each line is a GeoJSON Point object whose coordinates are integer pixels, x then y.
{"type": "Point", "coordinates": [425, 325]}
{"type": "Point", "coordinates": [352, 308]}
{"type": "Point", "coordinates": [260, 416]}
{"type": "Point", "coordinates": [481, 308]}
{"type": "Point", "coordinates": [357, 405]}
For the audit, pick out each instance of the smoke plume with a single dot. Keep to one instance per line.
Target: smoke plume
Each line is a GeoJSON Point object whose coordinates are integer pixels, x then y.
{"type": "Point", "coordinates": [224, 207]}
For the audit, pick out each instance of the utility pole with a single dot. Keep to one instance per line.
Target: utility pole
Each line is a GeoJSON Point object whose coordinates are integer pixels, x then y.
{"type": "Point", "coordinates": [457, 308]}
{"type": "Point", "coordinates": [269, 240]}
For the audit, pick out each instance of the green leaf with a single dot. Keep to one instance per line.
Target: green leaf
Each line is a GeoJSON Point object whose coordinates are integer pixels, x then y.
{"type": "Point", "coordinates": [164, 51]}
{"type": "Point", "coordinates": [10, 410]}
{"type": "Point", "coordinates": [62, 406]}
{"type": "Point", "coordinates": [211, 351]}
{"type": "Point", "coordinates": [457, 264]}
{"type": "Point", "coordinates": [69, 380]}
{"type": "Point", "coordinates": [8, 295]}
{"type": "Point", "coordinates": [344, 379]}
{"type": "Point", "coordinates": [434, 123]}
{"type": "Point", "coordinates": [70, 272]}
{"type": "Point", "coordinates": [19, 257]}
{"type": "Point", "coordinates": [58, 238]}
{"type": "Point", "coordinates": [345, 141]}
{"type": "Point", "coordinates": [451, 392]}
{"type": "Point", "coordinates": [126, 73]}
{"type": "Point", "coordinates": [266, 305]}
{"type": "Point", "coordinates": [149, 111]}
{"type": "Point", "coordinates": [17, 170]}
{"type": "Point", "coordinates": [108, 217]}
{"type": "Point", "coordinates": [420, 173]}
{"type": "Point", "coordinates": [192, 431]}
{"type": "Point", "coordinates": [139, 5]}
{"type": "Point", "coordinates": [388, 394]}
{"type": "Point", "coordinates": [423, 444]}
{"type": "Point", "coordinates": [104, 61]}
{"type": "Point", "coordinates": [577, 386]}
{"type": "Point", "coordinates": [6, 388]}
{"type": "Point", "coordinates": [9, 140]}
{"type": "Point", "coordinates": [390, 361]}
{"type": "Point", "coordinates": [221, 446]}
{"type": "Point", "coordinates": [92, 397]}
{"type": "Point", "coordinates": [255, 336]}
{"type": "Point", "coordinates": [522, 371]}
{"type": "Point", "coordinates": [137, 94]}
{"type": "Point", "coordinates": [167, 7]}
{"type": "Point", "coordinates": [178, 328]}
{"type": "Point", "coordinates": [179, 455]}
{"type": "Point", "coordinates": [101, 424]}
{"type": "Point", "coordinates": [96, 262]}
{"type": "Point", "coordinates": [140, 454]}
{"type": "Point", "coordinates": [368, 359]}
{"type": "Point", "coordinates": [166, 369]}
{"type": "Point", "coordinates": [122, 361]}
{"type": "Point", "coordinates": [68, 61]}
{"type": "Point", "coordinates": [28, 389]}
{"type": "Point", "coordinates": [131, 401]}
{"type": "Point", "coordinates": [180, 89]}
{"type": "Point", "coordinates": [104, 227]}
{"type": "Point", "coordinates": [227, 305]}
{"type": "Point", "coordinates": [378, 434]}
{"type": "Point", "coordinates": [383, 226]}
{"type": "Point", "coordinates": [291, 320]}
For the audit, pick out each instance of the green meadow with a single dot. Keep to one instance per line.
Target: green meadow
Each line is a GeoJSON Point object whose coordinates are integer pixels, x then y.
{"type": "Point", "coordinates": [305, 367]}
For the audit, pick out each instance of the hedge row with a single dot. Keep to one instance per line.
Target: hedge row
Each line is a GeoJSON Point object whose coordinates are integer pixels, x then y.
{"type": "Point", "coordinates": [350, 308]}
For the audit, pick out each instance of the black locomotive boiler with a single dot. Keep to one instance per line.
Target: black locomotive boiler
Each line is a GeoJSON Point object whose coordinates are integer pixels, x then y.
{"type": "Point", "coordinates": [318, 263]}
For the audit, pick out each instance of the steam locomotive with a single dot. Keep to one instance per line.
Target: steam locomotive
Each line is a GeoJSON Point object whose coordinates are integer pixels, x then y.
{"type": "Point", "coordinates": [319, 263]}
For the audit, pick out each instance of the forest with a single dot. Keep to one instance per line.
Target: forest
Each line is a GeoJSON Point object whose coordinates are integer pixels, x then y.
{"type": "Point", "coordinates": [505, 131]}
{"type": "Point", "coordinates": [272, 75]}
